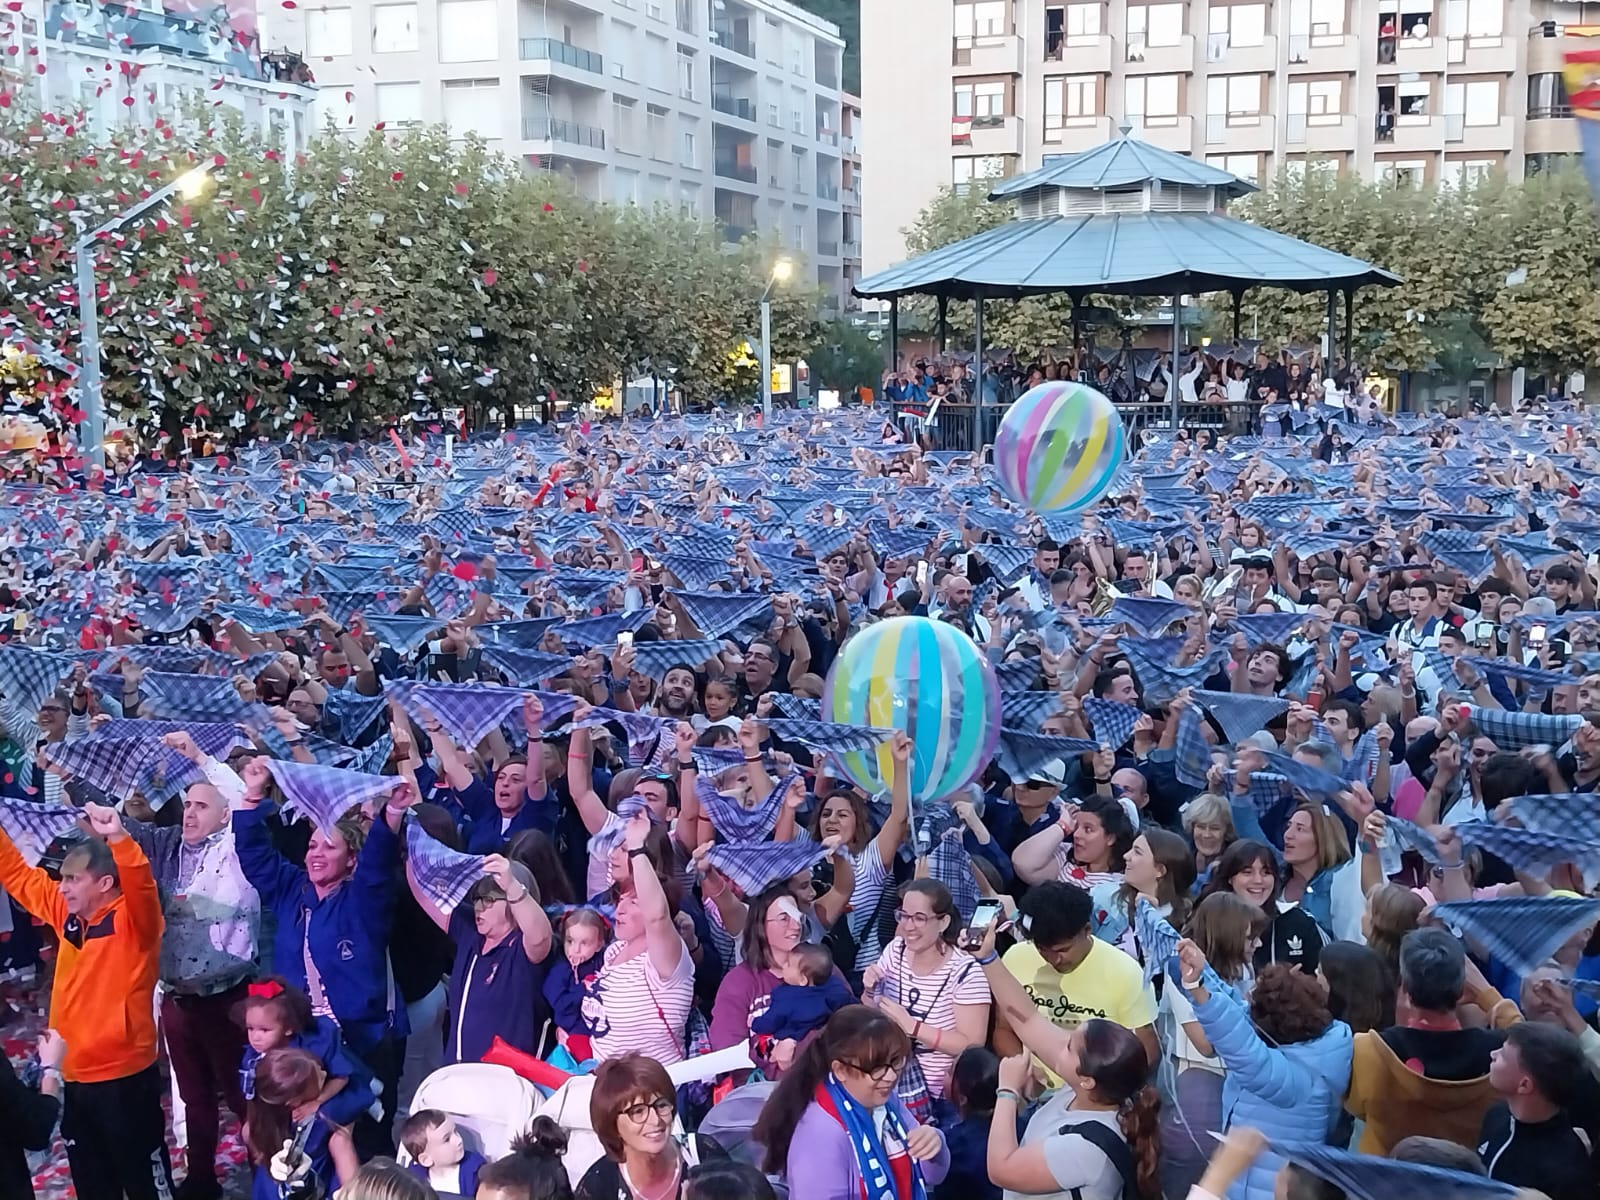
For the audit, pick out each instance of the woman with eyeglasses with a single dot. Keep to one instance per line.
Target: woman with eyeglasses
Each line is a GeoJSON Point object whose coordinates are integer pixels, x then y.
{"type": "Point", "coordinates": [834, 1126]}
{"type": "Point", "coordinates": [631, 1111]}
{"type": "Point", "coordinates": [937, 996]}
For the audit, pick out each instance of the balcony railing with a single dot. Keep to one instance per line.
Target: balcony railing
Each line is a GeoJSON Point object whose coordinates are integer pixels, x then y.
{"type": "Point", "coordinates": [1058, 42]}
{"type": "Point", "coordinates": [735, 106]}
{"type": "Point", "coordinates": [1549, 112]}
{"type": "Point", "coordinates": [827, 191]}
{"type": "Point", "coordinates": [728, 168]}
{"type": "Point", "coordinates": [852, 249]}
{"type": "Point", "coordinates": [562, 52]}
{"type": "Point", "coordinates": [552, 129]}
{"type": "Point", "coordinates": [728, 40]}
{"type": "Point", "coordinates": [735, 233]}
{"type": "Point", "coordinates": [828, 249]}
{"type": "Point", "coordinates": [828, 136]}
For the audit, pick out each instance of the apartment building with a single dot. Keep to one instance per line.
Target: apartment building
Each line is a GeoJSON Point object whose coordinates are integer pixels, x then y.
{"type": "Point", "coordinates": [1420, 92]}
{"type": "Point", "coordinates": [727, 109]}
{"type": "Point", "coordinates": [132, 64]}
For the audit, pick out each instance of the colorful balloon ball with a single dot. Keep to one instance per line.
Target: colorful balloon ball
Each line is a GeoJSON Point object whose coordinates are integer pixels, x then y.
{"type": "Point", "coordinates": [928, 679]}
{"type": "Point", "coordinates": [1059, 447]}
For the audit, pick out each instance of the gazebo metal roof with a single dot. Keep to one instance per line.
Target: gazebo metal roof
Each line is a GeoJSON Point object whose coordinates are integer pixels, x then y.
{"type": "Point", "coordinates": [1127, 218]}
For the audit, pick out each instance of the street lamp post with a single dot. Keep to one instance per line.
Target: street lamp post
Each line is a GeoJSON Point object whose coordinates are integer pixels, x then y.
{"type": "Point", "coordinates": [190, 184]}
{"type": "Point", "coordinates": [781, 270]}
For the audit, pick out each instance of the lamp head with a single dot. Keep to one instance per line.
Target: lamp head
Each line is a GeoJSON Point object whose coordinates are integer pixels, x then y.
{"type": "Point", "coordinates": [193, 183]}
{"type": "Point", "coordinates": [782, 270]}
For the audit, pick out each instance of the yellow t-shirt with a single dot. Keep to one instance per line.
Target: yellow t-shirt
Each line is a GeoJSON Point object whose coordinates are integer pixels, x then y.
{"type": "Point", "coordinates": [1107, 983]}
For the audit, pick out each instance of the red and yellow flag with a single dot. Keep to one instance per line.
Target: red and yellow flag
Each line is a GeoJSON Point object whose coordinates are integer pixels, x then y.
{"type": "Point", "coordinates": [1583, 93]}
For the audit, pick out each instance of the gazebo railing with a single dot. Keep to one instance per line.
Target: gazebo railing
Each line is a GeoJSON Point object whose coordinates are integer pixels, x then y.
{"type": "Point", "coordinates": [960, 425]}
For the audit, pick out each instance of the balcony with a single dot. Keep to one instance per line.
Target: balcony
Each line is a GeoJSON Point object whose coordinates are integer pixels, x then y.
{"type": "Point", "coordinates": [847, 146]}
{"type": "Point", "coordinates": [828, 137]}
{"type": "Point", "coordinates": [1324, 53]}
{"type": "Point", "coordinates": [1425, 56]}
{"type": "Point", "coordinates": [560, 53]}
{"type": "Point", "coordinates": [1548, 47]}
{"type": "Point", "coordinates": [1241, 133]}
{"type": "Point", "coordinates": [1552, 135]}
{"type": "Point", "coordinates": [735, 106]}
{"type": "Point", "coordinates": [1482, 55]}
{"type": "Point", "coordinates": [1076, 133]}
{"type": "Point", "coordinates": [733, 43]}
{"type": "Point", "coordinates": [1320, 133]}
{"type": "Point", "coordinates": [827, 249]}
{"type": "Point", "coordinates": [734, 234]}
{"type": "Point", "coordinates": [1177, 59]}
{"type": "Point", "coordinates": [1458, 135]}
{"type": "Point", "coordinates": [727, 167]}
{"type": "Point", "coordinates": [1175, 133]}
{"type": "Point", "coordinates": [828, 191]}
{"type": "Point", "coordinates": [851, 249]}
{"type": "Point", "coordinates": [1223, 55]}
{"type": "Point", "coordinates": [995, 135]}
{"type": "Point", "coordinates": [1079, 54]}
{"type": "Point", "coordinates": [997, 54]}
{"type": "Point", "coordinates": [561, 132]}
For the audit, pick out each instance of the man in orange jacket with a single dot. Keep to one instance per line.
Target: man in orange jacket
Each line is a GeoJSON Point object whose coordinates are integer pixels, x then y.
{"type": "Point", "coordinates": [107, 913]}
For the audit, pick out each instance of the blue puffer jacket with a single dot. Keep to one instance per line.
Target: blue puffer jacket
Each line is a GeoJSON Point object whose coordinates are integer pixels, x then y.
{"type": "Point", "coordinates": [1290, 1093]}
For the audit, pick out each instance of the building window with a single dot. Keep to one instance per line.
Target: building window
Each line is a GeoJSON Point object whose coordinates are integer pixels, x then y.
{"type": "Point", "coordinates": [469, 30]}
{"type": "Point", "coordinates": [1233, 95]}
{"type": "Point", "coordinates": [335, 105]}
{"type": "Point", "coordinates": [1071, 100]}
{"type": "Point", "coordinates": [1244, 166]}
{"type": "Point", "coordinates": [472, 106]}
{"type": "Point", "coordinates": [623, 117]}
{"type": "Point", "coordinates": [985, 166]}
{"type": "Point", "coordinates": [1234, 26]}
{"type": "Point", "coordinates": [984, 18]}
{"type": "Point", "coordinates": [1151, 96]}
{"type": "Point", "coordinates": [984, 102]}
{"type": "Point", "coordinates": [1467, 172]}
{"type": "Point", "coordinates": [685, 75]}
{"type": "Point", "coordinates": [1481, 19]}
{"type": "Point", "coordinates": [690, 157]}
{"type": "Point", "coordinates": [1072, 25]}
{"type": "Point", "coordinates": [394, 28]}
{"type": "Point", "coordinates": [399, 103]}
{"type": "Point", "coordinates": [329, 33]}
{"type": "Point", "coordinates": [1403, 173]}
{"type": "Point", "coordinates": [1476, 101]}
{"type": "Point", "coordinates": [1547, 96]}
{"type": "Point", "coordinates": [1152, 25]}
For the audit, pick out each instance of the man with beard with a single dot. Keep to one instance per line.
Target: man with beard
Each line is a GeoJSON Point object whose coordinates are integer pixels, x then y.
{"type": "Point", "coordinates": [677, 695]}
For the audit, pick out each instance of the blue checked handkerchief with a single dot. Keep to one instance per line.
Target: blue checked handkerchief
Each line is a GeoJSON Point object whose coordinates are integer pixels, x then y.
{"type": "Point", "coordinates": [1529, 849]}
{"type": "Point", "coordinates": [827, 737]}
{"type": "Point", "coordinates": [716, 613]}
{"type": "Point", "coordinates": [28, 676]}
{"type": "Point", "coordinates": [1408, 835]}
{"type": "Point", "coordinates": [1158, 940]}
{"type": "Point", "coordinates": [525, 668]}
{"type": "Point", "coordinates": [753, 867]}
{"type": "Point", "coordinates": [1239, 714]}
{"type": "Point", "coordinates": [466, 711]}
{"type": "Point", "coordinates": [31, 827]}
{"type": "Point", "coordinates": [1112, 722]}
{"type": "Point", "coordinates": [1576, 814]}
{"type": "Point", "coordinates": [324, 794]}
{"type": "Point", "coordinates": [352, 711]}
{"type": "Point", "coordinates": [655, 659]}
{"type": "Point", "coordinates": [1028, 710]}
{"type": "Point", "coordinates": [735, 822]}
{"type": "Point", "coordinates": [444, 875]}
{"type": "Point", "coordinates": [1519, 730]}
{"type": "Point", "coordinates": [1520, 932]}
{"type": "Point", "coordinates": [1368, 1177]}
{"type": "Point", "coordinates": [948, 860]}
{"type": "Point", "coordinates": [1191, 753]}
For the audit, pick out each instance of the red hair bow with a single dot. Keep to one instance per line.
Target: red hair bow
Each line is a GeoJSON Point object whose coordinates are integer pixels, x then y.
{"type": "Point", "coordinates": [269, 990]}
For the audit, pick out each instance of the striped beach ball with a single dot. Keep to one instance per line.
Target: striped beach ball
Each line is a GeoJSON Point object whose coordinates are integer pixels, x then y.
{"type": "Point", "coordinates": [1059, 447]}
{"type": "Point", "coordinates": [928, 679]}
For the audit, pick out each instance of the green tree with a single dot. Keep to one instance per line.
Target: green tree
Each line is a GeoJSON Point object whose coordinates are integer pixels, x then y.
{"type": "Point", "coordinates": [846, 357]}
{"type": "Point", "coordinates": [846, 14]}
{"type": "Point", "coordinates": [1456, 249]}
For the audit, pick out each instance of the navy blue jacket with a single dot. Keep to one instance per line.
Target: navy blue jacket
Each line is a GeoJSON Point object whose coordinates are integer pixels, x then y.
{"type": "Point", "coordinates": [481, 831]}
{"type": "Point", "coordinates": [348, 930]}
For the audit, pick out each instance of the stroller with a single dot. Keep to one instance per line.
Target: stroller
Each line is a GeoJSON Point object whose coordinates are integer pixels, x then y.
{"type": "Point", "coordinates": [491, 1105]}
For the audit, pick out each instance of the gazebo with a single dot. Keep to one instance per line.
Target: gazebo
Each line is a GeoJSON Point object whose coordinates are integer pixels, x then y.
{"type": "Point", "coordinates": [1126, 218]}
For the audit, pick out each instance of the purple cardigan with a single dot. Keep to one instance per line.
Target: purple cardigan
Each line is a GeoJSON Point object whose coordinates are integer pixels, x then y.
{"type": "Point", "coordinates": [822, 1165]}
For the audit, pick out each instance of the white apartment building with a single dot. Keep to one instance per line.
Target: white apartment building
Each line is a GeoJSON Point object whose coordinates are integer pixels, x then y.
{"type": "Point", "coordinates": [1414, 91]}
{"type": "Point", "coordinates": [132, 64]}
{"type": "Point", "coordinates": [727, 109]}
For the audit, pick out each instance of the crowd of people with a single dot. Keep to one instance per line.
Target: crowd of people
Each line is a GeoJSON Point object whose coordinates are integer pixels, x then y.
{"type": "Point", "coordinates": [334, 769]}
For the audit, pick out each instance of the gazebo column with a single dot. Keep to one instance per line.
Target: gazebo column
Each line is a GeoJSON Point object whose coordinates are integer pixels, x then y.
{"type": "Point", "coordinates": [894, 334]}
{"type": "Point", "coordinates": [1077, 337]}
{"type": "Point", "coordinates": [1174, 369]}
{"type": "Point", "coordinates": [977, 374]}
{"type": "Point", "coordinates": [1238, 304]}
{"type": "Point", "coordinates": [944, 323]}
{"type": "Point", "coordinates": [1349, 326]}
{"type": "Point", "coordinates": [1333, 327]}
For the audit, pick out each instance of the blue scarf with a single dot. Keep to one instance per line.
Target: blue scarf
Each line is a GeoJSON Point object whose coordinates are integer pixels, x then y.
{"type": "Point", "coordinates": [878, 1180]}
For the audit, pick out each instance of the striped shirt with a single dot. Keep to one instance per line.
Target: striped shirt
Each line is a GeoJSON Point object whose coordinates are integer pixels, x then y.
{"type": "Point", "coordinates": [932, 999]}
{"type": "Point", "coordinates": [633, 1010]}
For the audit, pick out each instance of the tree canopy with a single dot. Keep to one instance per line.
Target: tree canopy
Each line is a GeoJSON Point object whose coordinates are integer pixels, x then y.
{"type": "Point", "coordinates": [358, 281]}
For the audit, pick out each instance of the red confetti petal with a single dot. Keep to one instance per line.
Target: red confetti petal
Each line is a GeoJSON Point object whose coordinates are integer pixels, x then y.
{"type": "Point", "coordinates": [490, 277]}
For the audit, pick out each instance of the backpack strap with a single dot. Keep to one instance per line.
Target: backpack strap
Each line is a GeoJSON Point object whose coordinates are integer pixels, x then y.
{"type": "Point", "coordinates": [1105, 1140]}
